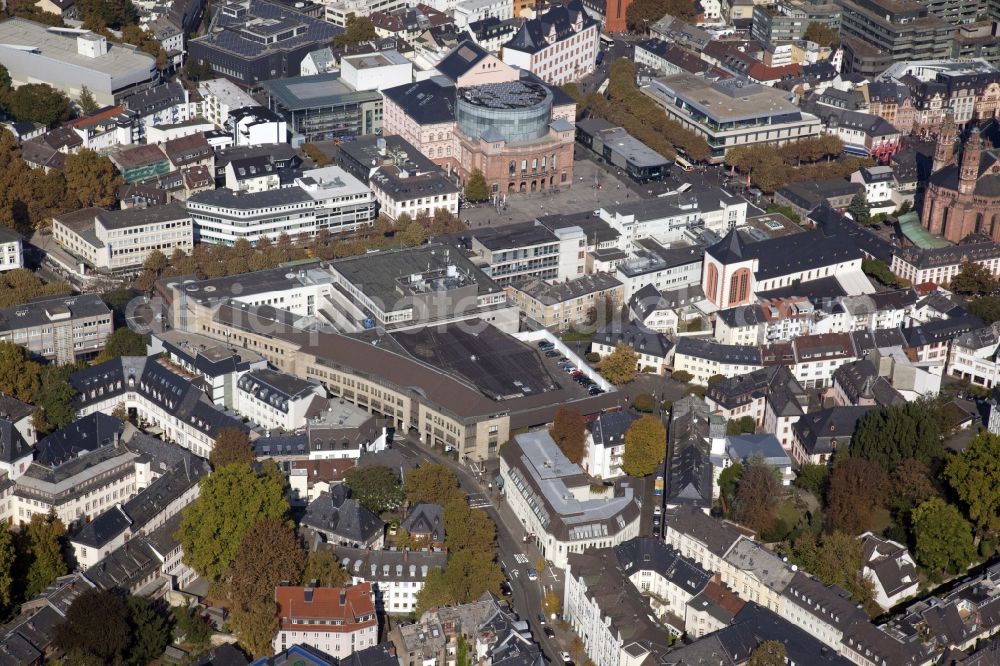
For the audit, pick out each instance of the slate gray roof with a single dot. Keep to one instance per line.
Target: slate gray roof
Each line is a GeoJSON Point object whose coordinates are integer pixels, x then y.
{"type": "Point", "coordinates": [341, 518]}
{"type": "Point", "coordinates": [428, 102]}
{"type": "Point", "coordinates": [533, 35]}
{"type": "Point", "coordinates": [689, 468]}
{"type": "Point", "coordinates": [12, 444]}
{"type": "Point", "coordinates": [886, 560]}
{"type": "Point", "coordinates": [89, 433]}
{"type": "Point", "coordinates": [425, 518]}
{"type": "Point", "coordinates": [609, 428]}
{"type": "Point", "coordinates": [146, 375]}
{"type": "Point", "coordinates": [653, 554]}
{"type": "Point", "coordinates": [824, 431]}
{"type": "Point", "coordinates": [466, 55]}
{"type": "Point", "coordinates": [786, 254]}
{"type": "Point", "coordinates": [715, 351]}
{"type": "Point", "coordinates": [718, 537]}
{"type": "Point", "coordinates": [37, 312]}
{"type": "Point", "coordinates": [830, 603]}
{"type": "Point", "coordinates": [641, 339]}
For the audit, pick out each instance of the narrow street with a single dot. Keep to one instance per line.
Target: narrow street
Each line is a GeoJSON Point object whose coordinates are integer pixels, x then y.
{"type": "Point", "coordinates": [512, 552]}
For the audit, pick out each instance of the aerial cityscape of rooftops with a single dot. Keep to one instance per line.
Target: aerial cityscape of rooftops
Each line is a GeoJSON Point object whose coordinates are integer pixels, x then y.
{"type": "Point", "coordinates": [500, 332]}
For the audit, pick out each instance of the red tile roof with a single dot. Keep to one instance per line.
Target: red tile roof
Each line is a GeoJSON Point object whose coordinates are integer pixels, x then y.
{"type": "Point", "coordinates": [353, 608]}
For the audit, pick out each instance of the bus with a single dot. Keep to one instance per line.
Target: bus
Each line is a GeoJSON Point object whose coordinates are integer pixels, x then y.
{"type": "Point", "coordinates": [658, 486]}
{"type": "Point", "coordinates": [606, 41]}
{"type": "Point", "coordinates": [684, 164]}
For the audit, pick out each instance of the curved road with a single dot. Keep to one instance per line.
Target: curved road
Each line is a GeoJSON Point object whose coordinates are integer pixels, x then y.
{"type": "Point", "coordinates": [526, 597]}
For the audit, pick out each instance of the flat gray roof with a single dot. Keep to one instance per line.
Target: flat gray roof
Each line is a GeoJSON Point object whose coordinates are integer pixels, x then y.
{"type": "Point", "coordinates": [730, 100]}
{"type": "Point", "coordinates": [118, 61]}
{"type": "Point", "coordinates": [310, 92]}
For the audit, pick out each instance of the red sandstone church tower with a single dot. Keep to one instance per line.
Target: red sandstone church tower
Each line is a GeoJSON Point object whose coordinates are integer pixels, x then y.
{"type": "Point", "coordinates": [963, 195]}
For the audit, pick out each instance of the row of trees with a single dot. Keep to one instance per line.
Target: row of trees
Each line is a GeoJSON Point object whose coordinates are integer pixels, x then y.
{"type": "Point", "coordinates": [641, 13]}
{"type": "Point", "coordinates": [210, 261]}
{"type": "Point", "coordinates": [641, 117]}
{"type": "Point", "coordinates": [769, 167]}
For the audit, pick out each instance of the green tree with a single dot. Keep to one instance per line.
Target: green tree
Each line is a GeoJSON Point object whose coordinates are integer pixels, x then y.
{"type": "Point", "coordinates": [41, 553]}
{"type": "Point", "coordinates": [37, 103]}
{"type": "Point", "coordinates": [835, 558]}
{"type": "Point", "coordinates": [21, 285]}
{"type": "Point", "coordinates": [974, 475]}
{"type": "Point", "coordinates": [943, 537]}
{"type": "Point", "coordinates": [644, 402]}
{"type": "Point", "coordinates": [551, 603]}
{"type": "Point", "coordinates": [468, 529]}
{"type": "Point", "coordinates": [987, 308]}
{"type": "Point", "coordinates": [620, 366]}
{"type": "Point", "coordinates": [8, 556]}
{"type": "Point", "coordinates": [569, 433]}
{"type": "Point", "coordinates": [973, 280]}
{"type": "Point", "coordinates": [91, 179]}
{"type": "Point", "coordinates": [757, 495]}
{"type": "Point", "coordinates": [232, 500]}
{"type": "Point", "coordinates": [358, 29]}
{"type": "Point", "coordinates": [729, 483]}
{"type": "Point", "coordinates": [5, 82]}
{"type": "Point", "coordinates": [256, 624]}
{"type": "Point", "coordinates": [645, 446]}
{"type": "Point", "coordinates": [740, 426]}
{"type": "Point", "coordinates": [859, 209]}
{"type": "Point", "coordinates": [822, 34]}
{"type": "Point", "coordinates": [462, 652]}
{"type": "Point", "coordinates": [375, 487]}
{"type": "Point", "coordinates": [643, 13]}
{"type": "Point", "coordinates": [888, 435]}
{"type": "Point", "coordinates": [114, 14]}
{"type": "Point", "coordinates": [477, 189]}
{"type": "Point", "coordinates": [19, 375]}
{"type": "Point", "coordinates": [268, 555]}
{"type": "Point", "coordinates": [87, 103]}
{"type": "Point", "coordinates": [123, 342]}
{"type": "Point", "coordinates": [682, 376]}
{"type": "Point", "coordinates": [96, 629]}
{"type": "Point", "coordinates": [231, 447]}
{"type": "Point", "coordinates": [857, 490]}
{"type": "Point", "coordinates": [768, 653]}
{"type": "Point", "coordinates": [54, 398]}
{"type": "Point", "coordinates": [192, 626]}
{"type": "Point", "coordinates": [150, 632]}
{"type": "Point", "coordinates": [814, 479]}
{"type": "Point", "coordinates": [324, 570]}
{"type": "Point", "coordinates": [433, 483]}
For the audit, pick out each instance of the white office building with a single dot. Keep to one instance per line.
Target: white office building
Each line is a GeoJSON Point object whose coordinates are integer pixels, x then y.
{"type": "Point", "coordinates": [326, 198]}
{"type": "Point", "coordinates": [277, 401]}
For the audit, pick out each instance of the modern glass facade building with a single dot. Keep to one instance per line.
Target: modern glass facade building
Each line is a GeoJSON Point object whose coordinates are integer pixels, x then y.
{"type": "Point", "coordinates": [513, 111]}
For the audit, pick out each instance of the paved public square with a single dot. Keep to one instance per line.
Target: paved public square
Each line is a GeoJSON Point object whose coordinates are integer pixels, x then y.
{"type": "Point", "coordinates": [593, 187]}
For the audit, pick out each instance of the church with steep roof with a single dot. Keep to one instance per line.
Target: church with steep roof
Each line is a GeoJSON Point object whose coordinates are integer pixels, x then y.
{"type": "Point", "coordinates": [736, 269]}
{"type": "Point", "coordinates": [963, 195]}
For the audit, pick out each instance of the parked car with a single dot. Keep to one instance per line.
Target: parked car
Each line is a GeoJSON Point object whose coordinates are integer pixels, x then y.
{"type": "Point", "coordinates": [541, 619]}
{"type": "Point", "coordinates": [596, 390]}
{"type": "Point", "coordinates": [548, 632]}
{"type": "Point", "coordinates": [552, 353]}
{"type": "Point", "coordinates": [565, 657]}
{"type": "Point", "coordinates": [532, 574]}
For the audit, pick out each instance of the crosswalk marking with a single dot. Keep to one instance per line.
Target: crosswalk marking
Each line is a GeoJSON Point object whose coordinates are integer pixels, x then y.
{"type": "Point", "coordinates": [520, 558]}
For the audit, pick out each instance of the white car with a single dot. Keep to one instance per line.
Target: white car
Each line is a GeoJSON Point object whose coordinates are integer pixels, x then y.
{"type": "Point", "coordinates": [657, 510]}
{"type": "Point", "coordinates": [565, 657]}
